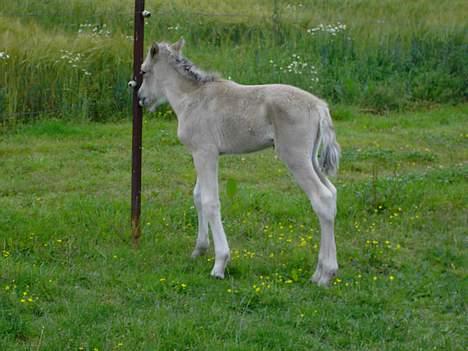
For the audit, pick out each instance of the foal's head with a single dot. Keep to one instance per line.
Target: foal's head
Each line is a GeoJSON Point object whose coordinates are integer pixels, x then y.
{"type": "Point", "coordinates": [164, 64]}
{"type": "Point", "coordinates": [155, 69]}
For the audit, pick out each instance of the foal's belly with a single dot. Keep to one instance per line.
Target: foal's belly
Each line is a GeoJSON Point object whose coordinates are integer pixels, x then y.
{"type": "Point", "coordinates": [245, 135]}
{"type": "Point", "coordinates": [246, 145]}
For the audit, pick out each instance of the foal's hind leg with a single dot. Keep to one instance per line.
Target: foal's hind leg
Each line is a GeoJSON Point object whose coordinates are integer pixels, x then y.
{"type": "Point", "coordinates": [323, 202]}
{"type": "Point", "coordinates": [318, 170]}
{"type": "Point", "coordinates": [203, 241]}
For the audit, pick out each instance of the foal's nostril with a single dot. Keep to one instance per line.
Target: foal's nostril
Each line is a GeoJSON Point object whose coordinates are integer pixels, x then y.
{"type": "Point", "coordinates": [142, 102]}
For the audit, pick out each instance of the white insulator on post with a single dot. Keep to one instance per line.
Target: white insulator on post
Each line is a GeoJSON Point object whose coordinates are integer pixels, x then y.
{"type": "Point", "coordinates": [146, 13]}
{"type": "Point", "coordinates": [132, 84]}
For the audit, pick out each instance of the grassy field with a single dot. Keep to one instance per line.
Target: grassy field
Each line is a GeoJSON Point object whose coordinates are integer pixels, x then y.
{"type": "Point", "coordinates": [72, 59]}
{"type": "Point", "coordinates": [70, 279]}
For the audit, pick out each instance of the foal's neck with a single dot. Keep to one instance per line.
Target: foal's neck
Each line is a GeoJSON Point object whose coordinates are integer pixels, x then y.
{"type": "Point", "coordinates": [178, 91]}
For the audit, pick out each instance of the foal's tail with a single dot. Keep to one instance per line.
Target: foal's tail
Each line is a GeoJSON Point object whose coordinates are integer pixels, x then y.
{"type": "Point", "coordinates": [330, 153]}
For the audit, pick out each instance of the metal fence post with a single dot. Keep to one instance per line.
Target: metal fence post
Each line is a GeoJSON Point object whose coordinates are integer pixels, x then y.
{"type": "Point", "coordinates": [137, 120]}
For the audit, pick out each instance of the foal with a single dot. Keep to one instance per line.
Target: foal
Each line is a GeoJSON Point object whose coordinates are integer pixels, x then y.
{"type": "Point", "coordinates": [217, 116]}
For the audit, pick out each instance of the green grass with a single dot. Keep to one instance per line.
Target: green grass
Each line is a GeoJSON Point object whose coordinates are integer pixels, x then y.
{"type": "Point", "coordinates": [71, 280]}
{"type": "Point", "coordinates": [393, 54]}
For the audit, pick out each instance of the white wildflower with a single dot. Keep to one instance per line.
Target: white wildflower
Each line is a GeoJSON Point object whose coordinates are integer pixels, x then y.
{"type": "Point", "coordinates": [94, 29]}
{"type": "Point", "coordinates": [4, 55]}
{"type": "Point", "coordinates": [332, 29]}
{"type": "Point", "coordinates": [174, 28]}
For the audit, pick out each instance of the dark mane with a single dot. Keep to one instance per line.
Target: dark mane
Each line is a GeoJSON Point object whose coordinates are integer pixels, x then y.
{"type": "Point", "coordinates": [192, 72]}
{"type": "Point", "coordinates": [187, 69]}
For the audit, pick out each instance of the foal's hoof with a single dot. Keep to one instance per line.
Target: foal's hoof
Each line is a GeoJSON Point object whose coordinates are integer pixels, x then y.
{"type": "Point", "coordinates": [220, 265]}
{"type": "Point", "coordinates": [199, 251]}
{"type": "Point", "coordinates": [217, 274]}
{"type": "Point", "coordinates": [322, 276]}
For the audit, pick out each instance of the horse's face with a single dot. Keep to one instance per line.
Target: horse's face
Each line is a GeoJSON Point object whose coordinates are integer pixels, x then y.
{"type": "Point", "coordinates": [155, 69]}
{"type": "Point", "coordinates": [151, 94]}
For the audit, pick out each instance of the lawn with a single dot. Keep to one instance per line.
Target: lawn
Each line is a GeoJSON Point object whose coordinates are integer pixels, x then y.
{"type": "Point", "coordinates": [71, 280]}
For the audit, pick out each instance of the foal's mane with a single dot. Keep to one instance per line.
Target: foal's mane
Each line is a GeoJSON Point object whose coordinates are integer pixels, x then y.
{"type": "Point", "coordinates": [188, 69]}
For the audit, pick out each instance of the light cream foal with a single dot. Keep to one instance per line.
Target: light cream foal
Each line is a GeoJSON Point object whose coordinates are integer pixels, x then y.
{"type": "Point", "coordinates": [217, 116]}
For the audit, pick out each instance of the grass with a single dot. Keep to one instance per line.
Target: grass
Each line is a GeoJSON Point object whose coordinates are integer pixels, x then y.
{"type": "Point", "coordinates": [72, 59]}
{"type": "Point", "coordinates": [71, 280]}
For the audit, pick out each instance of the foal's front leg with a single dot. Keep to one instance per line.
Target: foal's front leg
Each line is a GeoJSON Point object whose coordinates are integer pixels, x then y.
{"type": "Point", "coordinates": [206, 164]}
{"type": "Point", "coordinates": [203, 241]}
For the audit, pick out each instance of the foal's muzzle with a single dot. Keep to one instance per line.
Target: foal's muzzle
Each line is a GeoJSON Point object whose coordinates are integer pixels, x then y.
{"type": "Point", "coordinates": [142, 101]}
{"type": "Point", "coordinates": [148, 104]}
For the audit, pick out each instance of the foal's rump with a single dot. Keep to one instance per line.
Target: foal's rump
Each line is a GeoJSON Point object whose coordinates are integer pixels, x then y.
{"type": "Point", "coordinates": [300, 121]}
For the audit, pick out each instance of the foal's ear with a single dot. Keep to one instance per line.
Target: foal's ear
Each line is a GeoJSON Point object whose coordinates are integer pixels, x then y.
{"type": "Point", "coordinates": [154, 50]}
{"type": "Point", "coordinates": [178, 45]}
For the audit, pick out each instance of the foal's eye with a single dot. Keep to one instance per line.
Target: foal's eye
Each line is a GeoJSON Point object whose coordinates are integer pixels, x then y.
{"type": "Point", "coordinates": [142, 73]}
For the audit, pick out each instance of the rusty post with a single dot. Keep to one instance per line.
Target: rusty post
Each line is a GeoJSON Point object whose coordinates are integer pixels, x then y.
{"type": "Point", "coordinates": [137, 120]}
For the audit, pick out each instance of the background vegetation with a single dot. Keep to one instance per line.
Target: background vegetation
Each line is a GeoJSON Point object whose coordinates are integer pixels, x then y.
{"type": "Point", "coordinates": [73, 58]}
